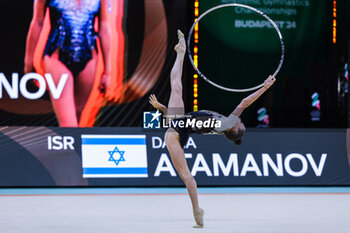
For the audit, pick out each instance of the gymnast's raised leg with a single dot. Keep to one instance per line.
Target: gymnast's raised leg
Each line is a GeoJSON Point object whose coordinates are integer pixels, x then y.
{"type": "Point", "coordinates": [176, 106]}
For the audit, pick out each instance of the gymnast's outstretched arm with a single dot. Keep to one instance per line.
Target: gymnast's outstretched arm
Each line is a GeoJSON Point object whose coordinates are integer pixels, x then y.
{"type": "Point", "coordinates": [105, 35]}
{"type": "Point", "coordinates": [154, 102]}
{"type": "Point", "coordinates": [246, 102]}
{"type": "Point", "coordinates": [35, 28]}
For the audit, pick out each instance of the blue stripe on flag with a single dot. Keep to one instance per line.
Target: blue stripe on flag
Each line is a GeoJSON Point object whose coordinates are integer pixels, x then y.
{"type": "Point", "coordinates": [113, 141]}
{"type": "Point", "coordinates": [116, 170]}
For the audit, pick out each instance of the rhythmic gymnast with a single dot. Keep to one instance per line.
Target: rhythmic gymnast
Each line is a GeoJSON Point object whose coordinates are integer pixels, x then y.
{"type": "Point", "coordinates": [176, 137]}
{"type": "Point", "coordinates": [71, 49]}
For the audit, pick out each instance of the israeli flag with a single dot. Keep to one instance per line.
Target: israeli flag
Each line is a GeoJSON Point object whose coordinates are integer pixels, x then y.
{"type": "Point", "coordinates": [110, 156]}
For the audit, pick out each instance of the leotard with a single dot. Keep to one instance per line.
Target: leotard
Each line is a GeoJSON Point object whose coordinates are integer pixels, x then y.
{"type": "Point", "coordinates": [203, 115]}
{"type": "Point", "coordinates": [72, 32]}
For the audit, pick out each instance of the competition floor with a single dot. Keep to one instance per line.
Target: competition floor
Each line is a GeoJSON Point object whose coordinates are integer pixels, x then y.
{"type": "Point", "coordinates": [260, 210]}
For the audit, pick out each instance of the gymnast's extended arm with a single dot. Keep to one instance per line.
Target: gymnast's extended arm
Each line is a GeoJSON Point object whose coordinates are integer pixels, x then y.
{"type": "Point", "coordinates": [154, 102]}
{"type": "Point", "coordinates": [246, 102]}
{"type": "Point", "coordinates": [35, 28]}
{"type": "Point", "coordinates": [105, 34]}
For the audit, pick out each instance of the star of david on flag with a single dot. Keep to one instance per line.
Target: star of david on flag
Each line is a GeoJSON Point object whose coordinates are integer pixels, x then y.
{"type": "Point", "coordinates": [116, 151]}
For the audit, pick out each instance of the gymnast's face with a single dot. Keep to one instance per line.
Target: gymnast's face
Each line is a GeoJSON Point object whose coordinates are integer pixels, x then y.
{"type": "Point", "coordinates": [239, 126]}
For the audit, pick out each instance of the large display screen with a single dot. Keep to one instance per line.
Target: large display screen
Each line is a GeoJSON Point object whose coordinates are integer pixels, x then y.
{"type": "Point", "coordinates": [87, 64]}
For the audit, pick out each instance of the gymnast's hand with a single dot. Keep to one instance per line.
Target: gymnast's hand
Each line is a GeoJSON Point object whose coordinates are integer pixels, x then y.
{"type": "Point", "coordinates": [104, 85]}
{"type": "Point", "coordinates": [269, 82]}
{"type": "Point", "coordinates": [154, 102]}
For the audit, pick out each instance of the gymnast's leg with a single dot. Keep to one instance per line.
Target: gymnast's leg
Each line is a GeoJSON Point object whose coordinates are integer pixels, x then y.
{"type": "Point", "coordinates": [84, 83]}
{"type": "Point", "coordinates": [176, 106]}
{"type": "Point", "coordinates": [64, 107]}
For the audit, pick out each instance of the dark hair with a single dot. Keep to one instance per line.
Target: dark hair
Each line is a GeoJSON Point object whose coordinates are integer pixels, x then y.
{"type": "Point", "coordinates": [235, 137]}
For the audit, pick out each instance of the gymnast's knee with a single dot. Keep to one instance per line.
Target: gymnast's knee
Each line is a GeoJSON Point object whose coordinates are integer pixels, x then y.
{"type": "Point", "coordinates": [176, 86]}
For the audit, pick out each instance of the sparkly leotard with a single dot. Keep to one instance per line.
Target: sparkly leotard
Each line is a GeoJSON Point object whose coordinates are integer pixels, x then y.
{"type": "Point", "coordinates": [72, 32]}
{"type": "Point", "coordinates": [203, 115]}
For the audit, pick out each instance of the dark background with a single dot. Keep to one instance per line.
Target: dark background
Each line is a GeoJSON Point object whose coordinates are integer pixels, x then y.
{"type": "Point", "coordinates": [312, 64]}
{"type": "Point", "coordinates": [288, 103]}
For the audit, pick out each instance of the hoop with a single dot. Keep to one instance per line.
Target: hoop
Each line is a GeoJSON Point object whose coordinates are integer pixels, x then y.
{"type": "Point", "coordinates": [250, 8]}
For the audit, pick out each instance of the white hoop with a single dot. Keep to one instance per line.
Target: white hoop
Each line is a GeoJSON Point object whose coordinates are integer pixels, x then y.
{"type": "Point", "coordinates": [250, 8]}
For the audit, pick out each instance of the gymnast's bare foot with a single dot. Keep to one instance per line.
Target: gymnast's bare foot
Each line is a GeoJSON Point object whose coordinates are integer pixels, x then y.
{"type": "Point", "coordinates": [181, 45]}
{"type": "Point", "coordinates": [198, 217]}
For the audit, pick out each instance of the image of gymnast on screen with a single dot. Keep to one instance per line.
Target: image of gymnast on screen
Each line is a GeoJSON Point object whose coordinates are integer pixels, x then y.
{"type": "Point", "coordinates": [72, 48]}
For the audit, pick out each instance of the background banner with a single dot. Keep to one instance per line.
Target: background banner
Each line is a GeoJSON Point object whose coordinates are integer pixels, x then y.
{"type": "Point", "coordinates": [41, 156]}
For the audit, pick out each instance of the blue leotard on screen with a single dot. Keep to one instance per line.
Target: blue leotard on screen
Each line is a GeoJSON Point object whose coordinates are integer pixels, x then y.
{"type": "Point", "coordinates": [72, 32]}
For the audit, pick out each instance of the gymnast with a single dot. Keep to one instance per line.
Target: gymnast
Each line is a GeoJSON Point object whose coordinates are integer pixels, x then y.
{"type": "Point", "coordinates": [176, 137]}
{"type": "Point", "coordinates": [72, 48]}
